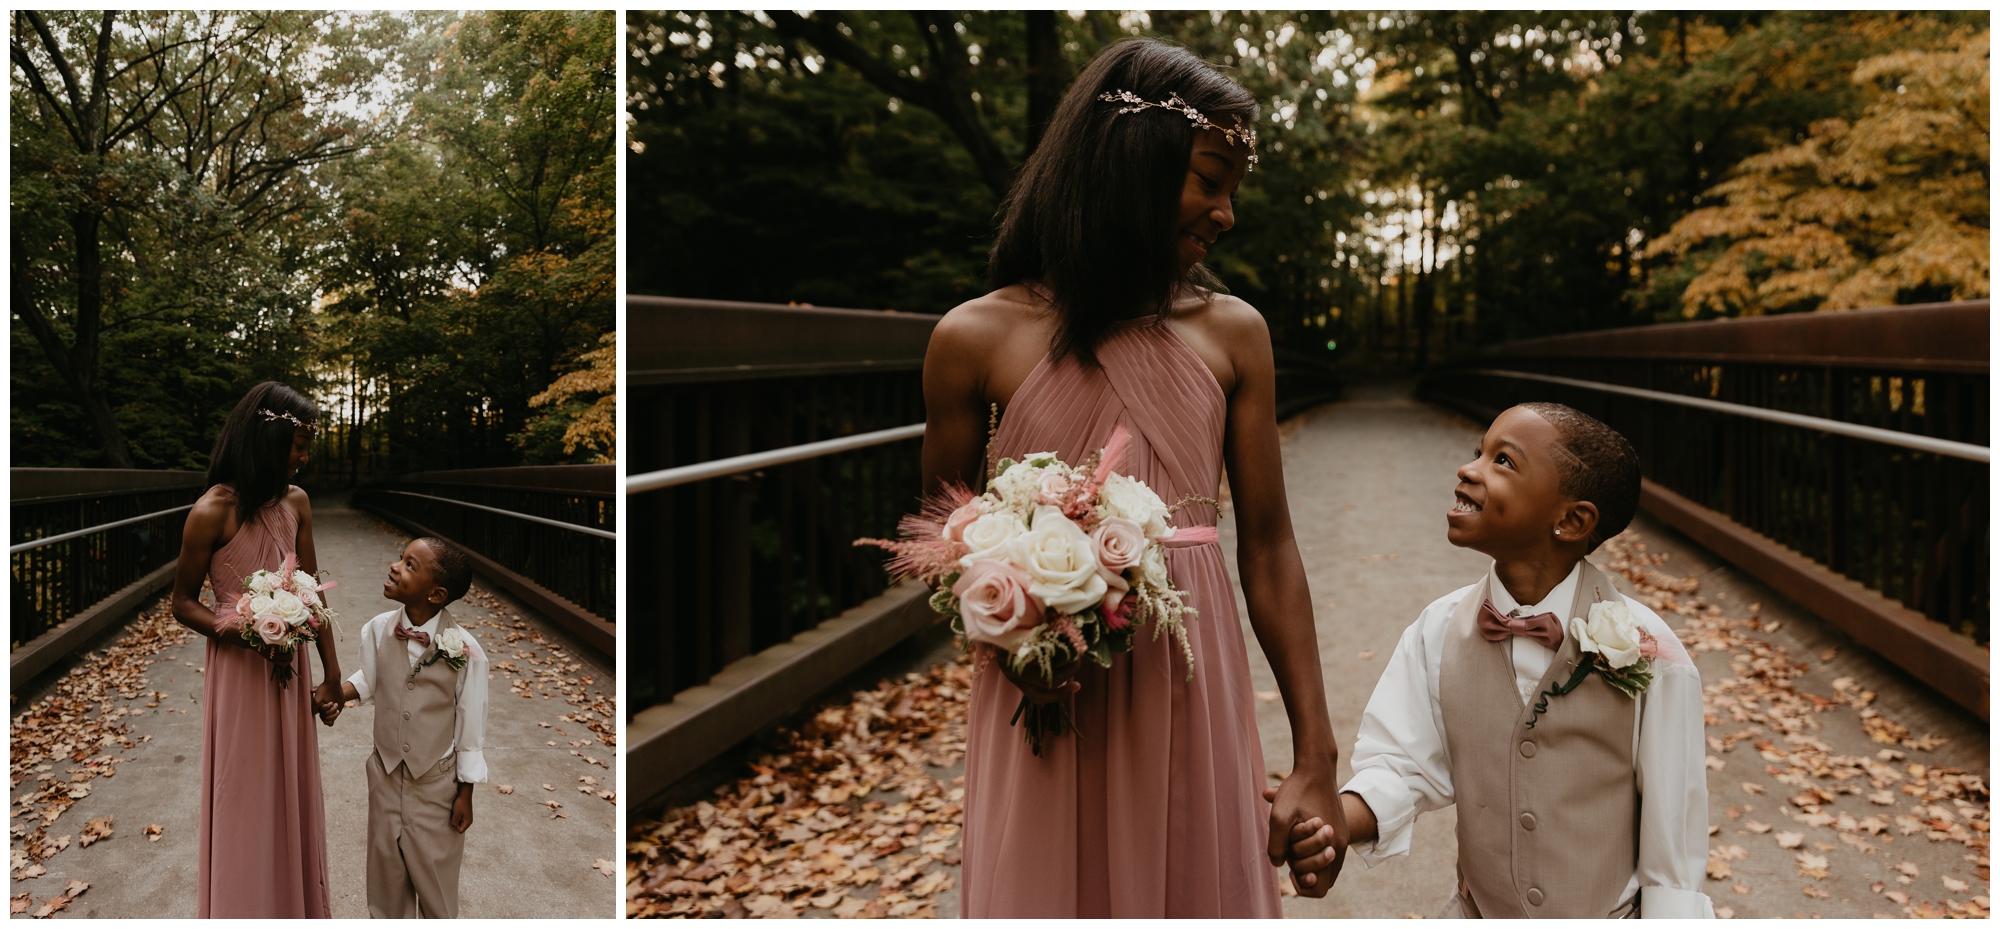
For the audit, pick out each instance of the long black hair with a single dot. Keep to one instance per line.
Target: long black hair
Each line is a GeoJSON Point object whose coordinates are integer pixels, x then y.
{"type": "Point", "coordinates": [1092, 215]}
{"type": "Point", "coordinates": [251, 453]}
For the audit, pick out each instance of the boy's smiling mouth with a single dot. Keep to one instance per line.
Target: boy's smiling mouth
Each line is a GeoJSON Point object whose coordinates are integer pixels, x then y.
{"type": "Point", "coordinates": [1463, 505]}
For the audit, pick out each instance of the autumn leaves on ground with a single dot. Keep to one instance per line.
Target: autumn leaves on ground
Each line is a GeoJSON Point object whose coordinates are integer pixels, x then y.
{"type": "Point", "coordinates": [851, 819]}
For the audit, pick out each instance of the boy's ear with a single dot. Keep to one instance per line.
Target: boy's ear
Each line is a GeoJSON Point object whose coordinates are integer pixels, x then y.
{"type": "Point", "coordinates": [1579, 522]}
{"type": "Point", "coordinates": [439, 595]}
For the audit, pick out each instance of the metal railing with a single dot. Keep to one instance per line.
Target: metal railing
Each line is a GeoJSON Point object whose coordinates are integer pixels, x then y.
{"type": "Point", "coordinates": [758, 456]}
{"type": "Point", "coordinates": [80, 536]}
{"type": "Point", "coordinates": [1858, 439]}
{"type": "Point", "coordinates": [553, 526]}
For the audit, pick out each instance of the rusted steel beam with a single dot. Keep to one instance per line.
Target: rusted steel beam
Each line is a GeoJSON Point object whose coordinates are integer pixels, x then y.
{"type": "Point", "coordinates": [1952, 664]}
{"type": "Point", "coordinates": [1927, 337]}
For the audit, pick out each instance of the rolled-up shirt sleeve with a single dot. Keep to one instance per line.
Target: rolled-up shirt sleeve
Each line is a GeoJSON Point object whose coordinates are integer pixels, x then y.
{"type": "Point", "coordinates": [1402, 767]}
{"type": "Point", "coordinates": [1673, 811]}
{"type": "Point", "coordinates": [469, 734]}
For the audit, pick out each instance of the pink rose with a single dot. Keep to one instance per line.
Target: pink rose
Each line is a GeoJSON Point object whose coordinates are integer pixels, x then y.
{"type": "Point", "coordinates": [954, 525]}
{"type": "Point", "coordinates": [1055, 486]}
{"type": "Point", "coordinates": [1120, 542]}
{"type": "Point", "coordinates": [272, 629]}
{"type": "Point", "coordinates": [993, 600]}
{"type": "Point", "coordinates": [1649, 647]}
{"type": "Point", "coordinates": [1116, 611]}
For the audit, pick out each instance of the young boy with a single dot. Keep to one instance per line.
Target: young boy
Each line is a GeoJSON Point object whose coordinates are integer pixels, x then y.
{"type": "Point", "coordinates": [427, 678]}
{"type": "Point", "coordinates": [1584, 802]}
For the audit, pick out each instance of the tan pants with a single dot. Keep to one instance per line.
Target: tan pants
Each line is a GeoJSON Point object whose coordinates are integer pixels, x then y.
{"type": "Point", "coordinates": [413, 853]}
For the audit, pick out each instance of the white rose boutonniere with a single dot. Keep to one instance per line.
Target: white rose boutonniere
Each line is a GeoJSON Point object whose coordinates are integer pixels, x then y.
{"type": "Point", "coordinates": [452, 646]}
{"type": "Point", "coordinates": [1615, 647]}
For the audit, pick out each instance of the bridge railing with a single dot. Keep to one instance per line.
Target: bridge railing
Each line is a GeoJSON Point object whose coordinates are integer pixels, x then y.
{"type": "Point", "coordinates": [546, 534]}
{"type": "Point", "coordinates": [1842, 457]}
{"type": "Point", "coordinates": [84, 546]}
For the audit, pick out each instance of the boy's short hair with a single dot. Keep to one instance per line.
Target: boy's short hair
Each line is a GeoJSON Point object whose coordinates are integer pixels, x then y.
{"type": "Point", "coordinates": [454, 570]}
{"type": "Point", "coordinates": [1602, 467]}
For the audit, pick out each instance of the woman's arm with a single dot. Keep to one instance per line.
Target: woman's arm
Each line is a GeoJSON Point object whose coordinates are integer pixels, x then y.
{"type": "Point", "coordinates": [1274, 586]}
{"type": "Point", "coordinates": [199, 537]}
{"type": "Point", "coordinates": [327, 695]}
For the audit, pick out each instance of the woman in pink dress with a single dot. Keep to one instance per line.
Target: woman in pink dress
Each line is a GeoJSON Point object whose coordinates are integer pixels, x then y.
{"type": "Point", "coordinates": [1104, 320]}
{"type": "Point", "coordinates": [263, 826]}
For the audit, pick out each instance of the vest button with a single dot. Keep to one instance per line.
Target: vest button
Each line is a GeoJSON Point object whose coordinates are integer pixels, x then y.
{"type": "Point", "coordinates": [406, 746]}
{"type": "Point", "coordinates": [1534, 896]}
{"type": "Point", "coordinates": [1527, 819]}
{"type": "Point", "coordinates": [406, 714]}
{"type": "Point", "coordinates": [409, 685]}
{"type": "Point", "coordinates": [1527, 749]}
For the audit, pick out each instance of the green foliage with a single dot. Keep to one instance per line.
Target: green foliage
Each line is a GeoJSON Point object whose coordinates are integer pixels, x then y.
{"type": "Point", "coordinates": [408, 215]}
{"type": "Point", "coordinates": [1429, 180]}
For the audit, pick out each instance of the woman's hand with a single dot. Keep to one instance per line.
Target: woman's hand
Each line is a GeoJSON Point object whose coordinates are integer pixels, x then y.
{"type": "Point", "coordinates": [1308, 828]}
{"type": "Point", "coordinates": [1039, 691]}
{"type": "Point", "coordinates": [327, 697]}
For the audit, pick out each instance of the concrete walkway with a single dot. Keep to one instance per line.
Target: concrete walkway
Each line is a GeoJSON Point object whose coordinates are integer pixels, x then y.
{"type": "Point", "coordinates": [1370, 479]}
{"type": "Point", "coordinates": [523, 857]}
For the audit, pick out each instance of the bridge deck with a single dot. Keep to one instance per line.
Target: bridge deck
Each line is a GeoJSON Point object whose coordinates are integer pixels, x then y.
{"type": "Point", "coordinates": [519, 861]}
{"type": "Point", "coordinates": [1369, 479]}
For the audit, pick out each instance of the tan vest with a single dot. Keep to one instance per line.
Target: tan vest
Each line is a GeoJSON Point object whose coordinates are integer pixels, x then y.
{"type": "Point", "coordinates": [1548, 818]}
{"type": "Point", "coordinates": [416, 711]}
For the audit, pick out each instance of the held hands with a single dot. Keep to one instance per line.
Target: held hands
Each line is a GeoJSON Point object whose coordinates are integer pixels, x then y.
{"type": "Point", "coordinates": [327, 702]}
{"type": "Point", "coordinates": [1308, 830]}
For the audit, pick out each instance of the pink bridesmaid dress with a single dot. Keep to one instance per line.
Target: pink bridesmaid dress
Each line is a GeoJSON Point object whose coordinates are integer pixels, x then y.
{"type": "Point", "coordinates": [263, 825]}
{"type": "Point", "coordinates": [1154, 808]}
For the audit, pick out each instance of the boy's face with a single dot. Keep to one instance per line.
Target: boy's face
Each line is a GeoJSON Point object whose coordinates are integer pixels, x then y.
{"type": "Point", "coordinates": [1509, 499]}
{"type": "Point", "coordinates": [413, 577]}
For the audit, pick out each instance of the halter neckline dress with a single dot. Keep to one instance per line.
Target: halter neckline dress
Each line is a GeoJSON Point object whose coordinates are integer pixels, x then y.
{"type": "Point", "coordinates": [1154, 808]}
{"type": "Point", "coordinates": [262, 840]}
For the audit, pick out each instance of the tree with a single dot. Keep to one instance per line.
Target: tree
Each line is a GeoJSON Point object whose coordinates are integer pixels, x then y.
{"type": "Point", "coordinates": [1891, 208]}
{"type": "Point", "coordinates": [129, 133]}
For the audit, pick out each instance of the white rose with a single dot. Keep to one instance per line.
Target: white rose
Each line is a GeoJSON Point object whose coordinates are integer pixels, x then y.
{"type": "Point", "coordinates": [289, 608]}
{"type": "Point", "coordinates": [452, 642]}
{"type": "Point", "coordinates": [1610, 631]}
{"type": "Point", "coordinates": [261, 604]}
{"type": "Point", "coordinates": [990, 536]}
{"type": "Point", "coordinates": [1153, 568]}
{"type": "Point", "coordinates": [1120, 542]}
{"type": "Point", "coordinates": [1017, 486]}
{"type": "Point", "coordinates": [260, 582]}
{"type": "Point", "coordinates": [303, 582]}
{"type": "Point", "coordinates": [1132, 499]}
{"type": "Point", "coordinates": [1061, 561]}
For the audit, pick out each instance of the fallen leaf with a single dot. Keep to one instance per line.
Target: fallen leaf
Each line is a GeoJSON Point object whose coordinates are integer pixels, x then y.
{"type": "Point", "coordinates": [20, 904]}
{"type": "Point", "coordinates": [548, 786]}
{"type": "Point", "coordinates": [96, 830]}
{"type": "Point", "coordinates": [1723, 912]}
{"type": "Point", "coordinates": [1811, 865]}
{"type": "Point", "coordinates": [505, 788]}
{"type": "Point", "coordinates": [1756, 827]}
{"type": "Point", "coordinates": [606, 866]}
{"type": "Point", "coordinates": [1897, 897]}
{"type": "Point", "coordinates": [1790, 839]}
{"type": "Point", "coordinates": [1741, 888]}
{"type": "Point", "coordinates": [1907, 869]}
{"type": "Point", "coordinates": [1882, 798]}
{"type": "Point", "coordinates": [1714, 763]}
{"type": "Point", "coordinates": [1751, 788]}
{"type": "Point", "coordinates": [1955, 885]}
{"type": "Point", "coordinates": [152, 832]}
{"type": "Point", "coordinates": [30, 872]}
{"type": "Point", "coordinates": [1713, 829]}
{"type": "Point", "coordinates": [1816, 893]}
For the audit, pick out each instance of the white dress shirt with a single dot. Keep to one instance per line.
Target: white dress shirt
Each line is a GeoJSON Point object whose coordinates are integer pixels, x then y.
{"type": "Point", "coordinates": [1402, 766]}
{"type": "Point", "coordinates": [468, 734]}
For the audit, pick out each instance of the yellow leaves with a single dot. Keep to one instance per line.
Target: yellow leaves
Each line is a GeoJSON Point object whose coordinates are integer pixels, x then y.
{"type": "Point", "coordinates": [1856, 214]}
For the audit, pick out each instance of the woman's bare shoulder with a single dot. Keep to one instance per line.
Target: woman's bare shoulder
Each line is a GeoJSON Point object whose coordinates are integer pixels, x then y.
{"type": "Point", "coordinates": [212, 509]}
{"type": "Point", "coordinates": [990, 317]}
{"type": "Point", "coordinates": [1232, 318]}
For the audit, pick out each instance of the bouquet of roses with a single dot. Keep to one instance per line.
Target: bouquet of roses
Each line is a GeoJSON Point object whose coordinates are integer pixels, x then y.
{"type": "Point", "coordinates": [280, 609]}
{"type": "Point", "coordinates": [1052, 564]}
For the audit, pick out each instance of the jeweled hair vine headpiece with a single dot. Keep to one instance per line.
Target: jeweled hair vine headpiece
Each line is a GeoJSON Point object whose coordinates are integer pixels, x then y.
{"type": "Point", "coordinates": [274, 415]}
{"type": "Point", "coordinates": [1134, 103]}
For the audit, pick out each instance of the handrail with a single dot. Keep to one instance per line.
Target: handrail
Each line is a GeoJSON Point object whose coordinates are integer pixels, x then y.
{"type": "Point", "coordinates": [1924, 443]}
{"type": "Point", "coordinates": [51, 540]}
{"type": "Point", "coordinates": [722, 467]}
{"type": "Point", "coordinates": [559, 524]}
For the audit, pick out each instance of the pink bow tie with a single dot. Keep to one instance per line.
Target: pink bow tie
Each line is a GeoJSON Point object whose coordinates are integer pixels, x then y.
{"type": "Point", "coordinates": [1542, 627]}
{"type": "Point", "coordinates": [421, 638]}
